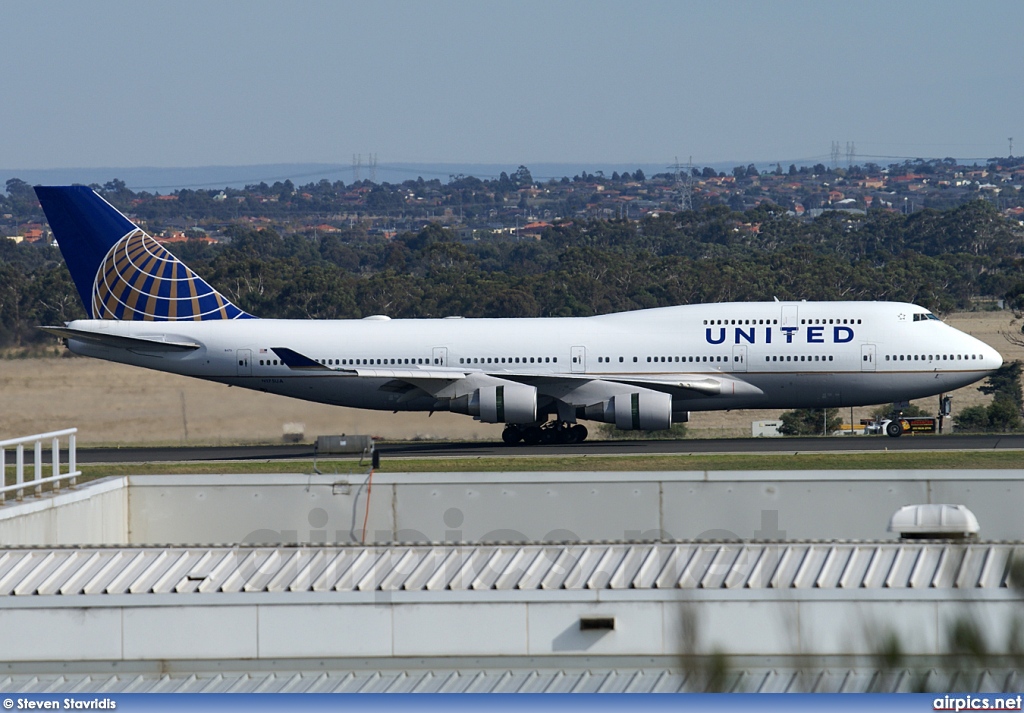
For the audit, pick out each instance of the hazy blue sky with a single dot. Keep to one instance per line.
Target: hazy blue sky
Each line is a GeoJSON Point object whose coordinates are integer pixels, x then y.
{"type": "Point", "coordinates": [211, 83]}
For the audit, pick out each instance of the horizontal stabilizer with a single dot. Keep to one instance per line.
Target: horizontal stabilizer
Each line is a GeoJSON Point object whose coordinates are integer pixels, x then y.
{"type": "Point", "coordinates": [117, 341]}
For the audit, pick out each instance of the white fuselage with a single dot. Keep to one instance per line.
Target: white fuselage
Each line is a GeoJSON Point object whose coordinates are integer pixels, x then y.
{"type": "Point", "coordinates": [768, 354]}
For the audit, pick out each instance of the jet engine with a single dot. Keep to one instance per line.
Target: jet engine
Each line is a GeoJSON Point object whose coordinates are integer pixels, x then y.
{"type": "Point", "coordinates": [644, 410]}
{"type": "Point", "coordinates": [505, 403]}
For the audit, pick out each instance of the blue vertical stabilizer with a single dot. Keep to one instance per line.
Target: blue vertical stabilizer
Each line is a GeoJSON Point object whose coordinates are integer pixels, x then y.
{"type": "Point", "coordinates": [121, 272]}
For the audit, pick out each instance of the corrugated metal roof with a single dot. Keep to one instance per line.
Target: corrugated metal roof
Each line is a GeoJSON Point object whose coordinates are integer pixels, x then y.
{"type": "Point", "coordinates": [518, 680]}
{"type": "Point", "coordinates": [594, 566]}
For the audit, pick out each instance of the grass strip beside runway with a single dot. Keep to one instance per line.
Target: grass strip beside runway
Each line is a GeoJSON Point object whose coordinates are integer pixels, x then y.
{"type": "Point", "coordinates": [885, 460]}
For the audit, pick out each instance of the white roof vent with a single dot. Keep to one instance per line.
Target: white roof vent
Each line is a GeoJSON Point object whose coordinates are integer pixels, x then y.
{"type": "Point", "coordinates": [926, 522]}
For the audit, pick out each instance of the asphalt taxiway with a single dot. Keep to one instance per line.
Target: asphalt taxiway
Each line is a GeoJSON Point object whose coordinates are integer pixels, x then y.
{"type": "Point", "coordinates": [425, 449]}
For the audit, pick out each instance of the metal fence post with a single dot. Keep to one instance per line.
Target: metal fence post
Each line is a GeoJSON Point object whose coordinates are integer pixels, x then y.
{"type": "Point", "coordinates": [3, 473]}
{"type": "Point", "coordinates": [72, 458]}
{"type": "Point", "coordinates": [55, 456]}
{"type": "Point", "coordinates": [37, 467]}
{"type": "Point", "coordinates": [19, 475]}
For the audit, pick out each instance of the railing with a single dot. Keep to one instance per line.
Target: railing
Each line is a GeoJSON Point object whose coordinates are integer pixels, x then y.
{"type": "Point", "coordinates": [38, 480]}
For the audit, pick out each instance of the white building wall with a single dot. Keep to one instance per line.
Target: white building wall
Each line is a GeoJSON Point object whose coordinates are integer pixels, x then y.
{"type": "Point", "coordinates": [91, 514]}
{"type": "Point", "coordinates": [780, 626]}
{"type": "Point", "coordinates": [488, 507]}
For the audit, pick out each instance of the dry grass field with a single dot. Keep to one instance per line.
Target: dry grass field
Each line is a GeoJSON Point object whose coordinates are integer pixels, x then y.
{"type": "Point", "coordinates": [115, 404]}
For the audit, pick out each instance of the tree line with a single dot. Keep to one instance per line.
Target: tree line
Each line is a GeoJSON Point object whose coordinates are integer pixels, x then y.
{"type": "Point", "coordinates": [938, 259]}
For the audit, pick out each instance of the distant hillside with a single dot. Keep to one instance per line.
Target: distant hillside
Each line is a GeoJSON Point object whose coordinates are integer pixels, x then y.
{"type": "Point", "coordinates": [166, 180]}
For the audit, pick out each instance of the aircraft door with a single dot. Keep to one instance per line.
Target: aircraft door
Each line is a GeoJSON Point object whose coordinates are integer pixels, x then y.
{"type": "Point", "coordinates": [578, 359]}
{"type": "Point", "coordinates": [244, 359]}
{"type": "Point", "coordinates": [440, 356]}
{"type": "Point", "coordinates": [739, 357]}
{"type": "Point", "coordinates": [867, 357]}
{"type": "Point", "coordinates": [789, 315]}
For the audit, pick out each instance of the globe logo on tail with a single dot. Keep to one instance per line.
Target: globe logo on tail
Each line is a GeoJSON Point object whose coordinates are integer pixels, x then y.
{"type": "Point", "coordinates": [139, 279]}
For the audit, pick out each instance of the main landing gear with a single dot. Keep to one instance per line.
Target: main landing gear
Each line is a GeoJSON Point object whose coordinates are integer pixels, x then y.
{"type": "Point", "coordinates": [550, 432]}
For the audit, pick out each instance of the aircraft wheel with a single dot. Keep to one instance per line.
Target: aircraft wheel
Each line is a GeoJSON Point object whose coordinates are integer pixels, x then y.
{"type": "Point", "coordinates": [532, 435]}
{"type": "Point", "coordinates": [894, 429]}
{"type": "Point", "coordinates": [565, 435]}
{"type": "Point", "coordinates": [579, 432]}
{"type": "Point", "coordinates": [511, 435]}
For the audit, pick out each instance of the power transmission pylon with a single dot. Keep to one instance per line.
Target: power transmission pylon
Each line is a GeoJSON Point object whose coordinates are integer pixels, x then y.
{"type": "Point", "coordinates": [357, 166]}
{"type": "Point", "coordinates": [684, 186]}
{"type": "Point", "coordinates": [373, 167]}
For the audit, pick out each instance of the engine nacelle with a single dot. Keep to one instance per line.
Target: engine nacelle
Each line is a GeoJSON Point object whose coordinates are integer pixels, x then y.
{"type": "Point", "coordinates": [505, 403]}
{"type": "Point", "coordinates": [514, 403]}
{"type": "Point", "coordinates": [644, 410]}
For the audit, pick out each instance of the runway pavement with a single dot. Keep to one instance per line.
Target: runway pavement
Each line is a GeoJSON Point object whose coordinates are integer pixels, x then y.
{"type": "Point", "coordinates": [424, 449]}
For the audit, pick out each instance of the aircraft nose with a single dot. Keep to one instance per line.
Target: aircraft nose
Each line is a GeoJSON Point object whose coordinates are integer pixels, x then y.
{"type": "Point", "coordinates": [996, 358]}
{"type": "Point", "coordinates": [992, 359]}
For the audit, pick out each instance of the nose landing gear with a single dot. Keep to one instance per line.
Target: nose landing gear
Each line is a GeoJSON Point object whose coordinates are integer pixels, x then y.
{"type": "Point", "coordinates": [550, 432]}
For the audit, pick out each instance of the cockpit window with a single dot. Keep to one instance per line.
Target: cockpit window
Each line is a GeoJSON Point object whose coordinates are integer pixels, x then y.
{"type": "Point", "coordinates": [923, 316]}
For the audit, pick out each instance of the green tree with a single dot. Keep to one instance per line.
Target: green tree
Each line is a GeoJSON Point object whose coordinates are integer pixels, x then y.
{"type": "Point", "coordinates": [973, 419]}
{"type": "Point", "coordinates": [522, 177]}
{"type": "Point", "coordinates": [1004, 413]}
{"type": "Point", "coordinates": [886, 410]}
{"type": "Point", "coordinates": [809, 422]}
{"type": "Point", "coordinates": [1005, 384]}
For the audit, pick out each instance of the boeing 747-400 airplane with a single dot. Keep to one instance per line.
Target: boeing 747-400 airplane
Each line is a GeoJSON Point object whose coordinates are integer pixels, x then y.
{"type": "Point", "coordinates": [645, 369]}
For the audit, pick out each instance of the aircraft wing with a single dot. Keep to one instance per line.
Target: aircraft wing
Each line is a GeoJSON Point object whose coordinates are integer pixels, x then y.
{"type": "Point", "coordinates": [117, 341]}
{"type": "Point", "coordinates": [702, 384]}
{"type": "Point", "coordinates": [433, 379]}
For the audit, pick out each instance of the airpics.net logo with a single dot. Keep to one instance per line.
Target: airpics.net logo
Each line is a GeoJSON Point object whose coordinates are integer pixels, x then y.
{"type": "Point", "coordinates": [978, 703]}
